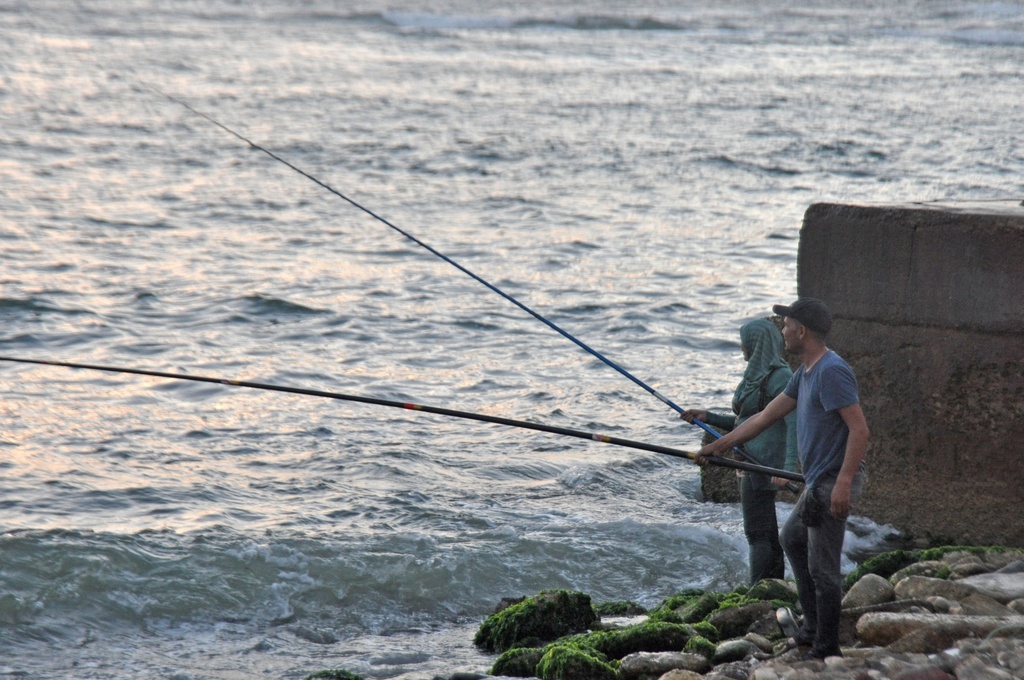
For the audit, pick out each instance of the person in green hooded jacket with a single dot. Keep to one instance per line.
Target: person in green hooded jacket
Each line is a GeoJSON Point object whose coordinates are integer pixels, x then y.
{"type": "Point", "coordinates": [766, 375]}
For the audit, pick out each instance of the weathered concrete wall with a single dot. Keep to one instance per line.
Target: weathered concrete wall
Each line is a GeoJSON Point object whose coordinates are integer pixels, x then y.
{"type": "Point", "coordinates": [928, 305]}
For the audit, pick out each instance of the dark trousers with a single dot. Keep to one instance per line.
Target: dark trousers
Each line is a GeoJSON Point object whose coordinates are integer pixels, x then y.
{"type": "Point", "coordinates": [762, 530]}
{"type": "Point", "coordinates": [815, 553]}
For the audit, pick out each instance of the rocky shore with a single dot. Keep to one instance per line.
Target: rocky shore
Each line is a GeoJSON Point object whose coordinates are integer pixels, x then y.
{"type": "Point", "coordinates": [937, 614]}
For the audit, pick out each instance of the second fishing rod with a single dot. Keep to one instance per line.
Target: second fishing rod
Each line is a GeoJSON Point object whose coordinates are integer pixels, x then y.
{"type": "Point", "coordinates": [637, 381]}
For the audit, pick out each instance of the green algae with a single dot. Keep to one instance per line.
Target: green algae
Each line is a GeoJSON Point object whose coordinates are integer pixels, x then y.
{"type": "Point", "coordinates": [888, 563]}
{"type": "Point", "coordinates": [619, 608]}
{"type": "Point", "coordinates": [520, 662]}
{"type": "Point", "coordinates": [698, 644]}
{"type": "Point", "coordinates": [550, 615]}
{"type": "Point", "coordinates": [570, 662]}
{"type": "Point", "coordinates": [706, 630]}
{"type": "Point", "coordinates": [773, 590]}
{"type": "Point", "coordinates": [649, 636]}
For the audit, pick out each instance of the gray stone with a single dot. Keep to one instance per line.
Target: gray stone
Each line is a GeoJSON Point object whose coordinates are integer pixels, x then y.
{"type": "Point", "coordinates": [940, 604]}
{"type": "Point", "coordinates": [927, 640]}
{"type": "Point", "coordinates": [679, 674]}
{"type": "Point", "coordinates": [658, 663]}
{"type": "Point", "coordinates": [975, 669]}
{"type": "Point", "coordinates": [1003, 587]}
{"type": "Point", "coordinates": [920, 587]}
{"type": "Point", "coordinates": [983, 605]}
{"type": "Point", "coordinates": [870, 590]}
{"type": "Point", "coordinates": [884, 629]}
{"type": "Point", "coordinates": [1007, 561]}
{"type": "Point", "coordinates": [737, 670]}
{"type": "Point", "coordinates": [927, 568]}
{"type": "Point", "coordinates": [764, 673]}
{"type": "Point", "coordinates": [923, 673]}
{"type": "Point", "coordinates": [763, 643]}
{"type": "Point", "coordinates": [734, 650]}
{"type": "Point", "coordinates": [965, 569]}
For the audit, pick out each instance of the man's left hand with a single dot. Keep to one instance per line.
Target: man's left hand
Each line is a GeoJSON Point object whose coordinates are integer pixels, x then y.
{"type": "Point", "coordinates": [841, 499]}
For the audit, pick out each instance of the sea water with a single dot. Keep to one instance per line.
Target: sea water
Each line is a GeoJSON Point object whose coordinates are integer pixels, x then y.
{"type": "Point", "coordinates": [637, 174]}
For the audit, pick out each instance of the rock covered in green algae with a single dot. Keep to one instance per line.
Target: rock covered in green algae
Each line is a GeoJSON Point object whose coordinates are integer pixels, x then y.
{"type": "Point", "coordinates": [549, 615]}
{"type": "Point", "coordinates": [888, 564]}
{"type": "Point", "coordinates": [520, 662]}
{"type": "Point", "coordinates": [699, 644]}
{"type": "Point", "coordinates": [569, 662]}
{"type": "Point", "coordinates": [597, 653]}
{"type": "Point", "coordinates": [619, 608]}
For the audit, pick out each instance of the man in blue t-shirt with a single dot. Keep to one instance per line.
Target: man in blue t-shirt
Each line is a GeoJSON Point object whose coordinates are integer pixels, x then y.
{"type": "Point", "coordinates": [832, 437]}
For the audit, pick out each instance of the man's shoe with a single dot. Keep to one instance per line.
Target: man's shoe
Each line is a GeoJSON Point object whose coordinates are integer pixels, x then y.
{"type": "Point", "coordinates": [787, 622]}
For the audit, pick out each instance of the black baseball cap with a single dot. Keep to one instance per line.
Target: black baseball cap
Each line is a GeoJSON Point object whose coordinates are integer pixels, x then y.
{"type": "Point", "coordinates": [810, 312]}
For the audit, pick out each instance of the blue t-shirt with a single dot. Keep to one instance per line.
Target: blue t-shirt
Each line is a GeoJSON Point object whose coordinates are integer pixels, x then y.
{"type": "Point", "coordinates": [820, 431]}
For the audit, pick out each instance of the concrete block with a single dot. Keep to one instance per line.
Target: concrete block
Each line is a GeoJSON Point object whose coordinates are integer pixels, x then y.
{"type": "Point", "coordinates": [928, 306]}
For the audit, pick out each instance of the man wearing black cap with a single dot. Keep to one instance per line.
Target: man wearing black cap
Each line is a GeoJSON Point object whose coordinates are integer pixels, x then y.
{"type": "Point", "coordinates": [832, 437]}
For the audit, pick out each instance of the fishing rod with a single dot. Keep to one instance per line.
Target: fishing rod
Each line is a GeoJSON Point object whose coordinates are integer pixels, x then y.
{"type": "Point", "coordinates": [579, 434]}
{"type": "Point", "coordinates": [696, 421]}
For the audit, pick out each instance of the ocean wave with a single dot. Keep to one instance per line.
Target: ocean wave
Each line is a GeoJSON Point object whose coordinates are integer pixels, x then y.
{"type": "Point", "coordinates": [428, 21]}
{"type": "Point", "coordinates": [988, 36]}
{"type": "Point", "coordinates": [36, 306]}
{"type": "Point", "coordinates": [259, 304]}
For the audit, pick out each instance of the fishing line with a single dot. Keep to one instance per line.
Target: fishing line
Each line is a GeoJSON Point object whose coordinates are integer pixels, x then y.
{"type": "Point", "coordinates": [524, 424]}
{"type": "Point", "coordinates": [550, 324]}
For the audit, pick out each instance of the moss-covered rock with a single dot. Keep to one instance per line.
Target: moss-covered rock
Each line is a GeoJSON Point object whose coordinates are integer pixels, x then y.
{"type": "Point", "coordinates": [885, 565]}
{"type": "Point", "coordinates": [544, 618]}
{"type": "Point", "coordinates": [571, 662]}
{"type": "Point", "coordinates": [686, 608]}
{"type": "Point", "coordinates": [888, 563]}
{"type": "Point", "coordinates": [698, 644]}
{"type": "Point", "coordinates": [520, 662]}
{"type": "Point", "coordinates": [774, 590]}
{"type": "Point", "coordinates": [650, 636]}
{"type": "Point", "coordinates": [669, 609]}
{"type": "Point", "coordinates": [619, 608]}
{"type": "Point", "coordinates": [335, 674]}
{"type": "Point", "coordinates": [734, 620]}
{"type": "Point", "coordinates": [705, 629]}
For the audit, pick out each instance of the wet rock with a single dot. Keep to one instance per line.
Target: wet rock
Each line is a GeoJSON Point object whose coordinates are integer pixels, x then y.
{"type": "Point", "coordinates": [736, 670]}
{"type": "Point", "coordinates": [870, 590]}
{"type": "Point", "coordinates": [1000, 586]}
{"type": "Point", "coordinates": [678, 674]}
{"type": "Point", "coordinates": [1000, 560]}
{"type": "Point", "coordinates": [982, 605]}
{"type": "Point", "coordinates": [924, 673]}
{"type": "Point", "coordinates": [734, 650]}
{"type": "Point", "coordinates": [926, 568]}
{"type": "Point", "coordinates": [762, 643]}
{"type": "Point", "coordinates": [920, 587]}
{"type": "Point", "coordinates": [924, 640]}
{"type": "Point", "coordinates": [968, 565]}
{"type": "Point", "coordinates": [884, 628]}
{"type": "Point", "coordinates": [976, 669]}
{"type": "Point", "coordinates": [940, 605]}
{"type": "Point", "coordinates": [656, 664]}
